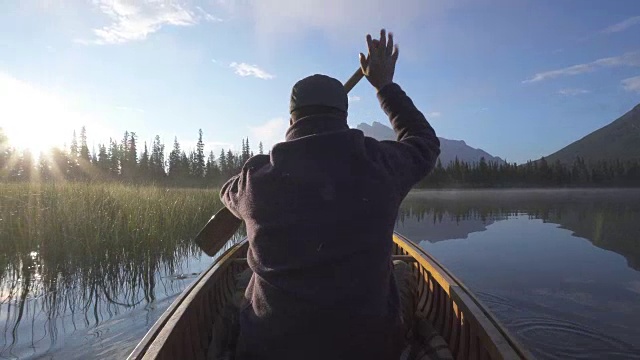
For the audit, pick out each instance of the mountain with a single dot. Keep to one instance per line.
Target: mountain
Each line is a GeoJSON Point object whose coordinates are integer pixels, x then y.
{"type": "Point", "coordinates": [618, 140]}
{"type": "Point", "coordinates": [449, 149]}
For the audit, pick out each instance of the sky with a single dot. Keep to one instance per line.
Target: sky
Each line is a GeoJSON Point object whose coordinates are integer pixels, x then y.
{"type": "Point", "coordinates": [518, 78]}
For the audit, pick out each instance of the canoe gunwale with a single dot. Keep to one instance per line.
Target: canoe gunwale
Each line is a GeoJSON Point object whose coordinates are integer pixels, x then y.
{"type": "Point", "coordinates": [494, 335]}
{"type": "Point", "coordinates": [149, 347]}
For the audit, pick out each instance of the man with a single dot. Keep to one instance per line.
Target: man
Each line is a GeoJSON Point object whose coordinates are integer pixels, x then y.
{"type": "Point", "coordinates": [320, 212]}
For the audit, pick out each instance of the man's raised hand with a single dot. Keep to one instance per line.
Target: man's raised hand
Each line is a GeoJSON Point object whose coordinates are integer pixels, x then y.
{"type": "Point", "coordinates": [380, 65]}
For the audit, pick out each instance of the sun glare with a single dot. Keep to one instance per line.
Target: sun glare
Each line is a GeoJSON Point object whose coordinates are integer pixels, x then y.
{"type": "Point", "coordinates": [32, 135]}
{"type": "Point", "coordinates": [33, 119]}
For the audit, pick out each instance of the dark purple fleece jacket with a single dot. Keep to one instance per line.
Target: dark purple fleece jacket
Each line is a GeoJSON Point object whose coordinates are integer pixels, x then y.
{"type": "Point", "coordinates": [320, 213]}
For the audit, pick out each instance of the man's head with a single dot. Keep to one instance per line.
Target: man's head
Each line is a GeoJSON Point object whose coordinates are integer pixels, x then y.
{"type": "Point", "coordinates": [318, 94]}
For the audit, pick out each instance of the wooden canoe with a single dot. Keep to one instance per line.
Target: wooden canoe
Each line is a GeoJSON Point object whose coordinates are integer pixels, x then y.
{"type": "Point", "coordinates": [470, 330]}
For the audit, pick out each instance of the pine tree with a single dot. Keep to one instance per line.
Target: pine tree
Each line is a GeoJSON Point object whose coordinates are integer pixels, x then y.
{"type": "Point", "coordinates": [260, 148]}
{"type": "Point", "coordinates": [156, 162]}
{"type": "Point", "coordinates": [175, 161]}
{"type": "Point", "coordinates": [232, 164]}
{"type": "Point", "coordinates": [199, 161]}
{"type": "Point", "coordinates": [124, 156]}
{"type": "Point", "coordinates": [60, 161]}
{"type": "Point", "coordinates": [104, 163]}
{"type": "Point", "coordinates": [84, 149]}
{"type": "Point", "coordinates": [245, 153]}
{"type": "Point", "coordinates": [74, 156]}
{"type": "Point", "coordinates": [212, 173]}
{"type": "Point", "coordinates": [132, 155]}
{"type": "Point", "coordinates": [192, 164]}
{"type": "Point", "coordinates": [94, 156]}
{"type": "Point", "coordinates": [222, 163]}
{"type": "Point", "coordinates": [73, 149]}
{"type": "Point", "coordinates": [184, 165]}
{"type": "Point", "coordinates": [144, 164]}
{"type": "Point", "coordinates": [114, 158]}
{"type": "Point", "coordinates": [22, 169]}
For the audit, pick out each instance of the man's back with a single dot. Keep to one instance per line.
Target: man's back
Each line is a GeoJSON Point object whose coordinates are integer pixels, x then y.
{"type": "Point", "coordinates": [320, 213]}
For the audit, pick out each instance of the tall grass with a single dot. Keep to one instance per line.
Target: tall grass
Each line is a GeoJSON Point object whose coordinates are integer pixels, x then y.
{"type": "Point", "coordinates": [53, 216]}
{"type": "Point", "coordinates": [78, 246]}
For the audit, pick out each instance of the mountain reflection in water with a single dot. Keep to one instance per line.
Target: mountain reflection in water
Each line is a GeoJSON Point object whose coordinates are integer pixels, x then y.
{"type": "Point", "coordinates": [558, 268]}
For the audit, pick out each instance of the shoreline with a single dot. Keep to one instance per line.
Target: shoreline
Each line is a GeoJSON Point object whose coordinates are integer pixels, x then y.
{"type": "Point", "coordinates": [509, 194]}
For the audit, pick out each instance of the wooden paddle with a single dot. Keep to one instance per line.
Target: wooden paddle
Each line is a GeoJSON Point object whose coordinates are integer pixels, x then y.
{"type": "Point", "coordinates": [224, 224]}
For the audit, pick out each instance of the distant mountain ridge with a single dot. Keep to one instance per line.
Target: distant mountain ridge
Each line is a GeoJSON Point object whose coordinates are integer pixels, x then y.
{"type": "Point", "coordinates": [449, 149]}
{"type": "Point", "coordinates": [618, 140]}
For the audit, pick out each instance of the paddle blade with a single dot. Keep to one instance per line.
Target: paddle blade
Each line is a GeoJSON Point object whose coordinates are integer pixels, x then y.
{"type": "Point", "coordinates": [218, 231]}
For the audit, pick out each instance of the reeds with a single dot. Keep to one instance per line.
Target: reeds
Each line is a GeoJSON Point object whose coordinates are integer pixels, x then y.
{"type": "Point", "coordinates": [92, 248]}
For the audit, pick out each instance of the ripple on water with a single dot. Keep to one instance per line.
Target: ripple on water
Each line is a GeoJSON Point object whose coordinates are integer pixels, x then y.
{"type": "Point", "coordinates": [552, 337]}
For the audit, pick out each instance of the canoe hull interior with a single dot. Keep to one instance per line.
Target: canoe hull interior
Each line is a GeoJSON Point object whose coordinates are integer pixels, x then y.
{"type": "Point", "coordinates": [185, 330]}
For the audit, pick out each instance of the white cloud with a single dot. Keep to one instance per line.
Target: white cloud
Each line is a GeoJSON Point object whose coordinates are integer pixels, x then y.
{"type": "Point", "coordinates": [354, 98]}
{"type": "Point", "coordinates": [133, 21]}
{"type": "Point", "coordinates": [632, 84]}
{"type": "Point", "coordinates": [622, 26]}
{"type": "Point", "coordinates": [270, 133]}
{"type": "Point", "coordinates": [434, 114]}
{"type": "Point", "coordinates": [628, 59]}
{"type": "Point", "coordinates": [244, 69]}
{"type": "Point", "coordinates": [571, 70]}
{"type": "Point", "coordinates": [573, 92]}
{"type": "Point", "coordinates": [206, 16]}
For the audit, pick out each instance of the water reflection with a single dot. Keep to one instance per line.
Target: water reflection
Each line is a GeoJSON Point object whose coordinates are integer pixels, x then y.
{"type": "Point", "coordinates": [43, 297]}
{"type": "Point", "coordinates": [91, 298]}
{"type": "Point", "coordinates": [548, 264]}
{"type": "Point", "coordinates": [610, 219]}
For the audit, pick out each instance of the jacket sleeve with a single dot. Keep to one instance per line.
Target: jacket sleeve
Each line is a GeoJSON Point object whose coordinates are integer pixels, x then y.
{"type": "Point", "coordinates": [229, 194]}
{"type": "Point", "coordinates": [414, 154]}
{"type": "Point", "coordinates": [233, 191]}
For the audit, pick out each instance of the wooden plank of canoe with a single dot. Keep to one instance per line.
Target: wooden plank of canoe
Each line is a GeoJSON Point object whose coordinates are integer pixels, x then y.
{"type": "Point", "coordinates": [481, 324]}
{"type": "Point", "coordinates": [160, 335]}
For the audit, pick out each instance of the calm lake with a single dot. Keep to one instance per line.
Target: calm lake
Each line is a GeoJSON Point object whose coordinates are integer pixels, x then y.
{"type": "Point", "coordinates": [560, 269]}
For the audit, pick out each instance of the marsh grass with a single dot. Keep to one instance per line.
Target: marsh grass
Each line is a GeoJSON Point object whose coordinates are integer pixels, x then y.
{"type": "Point", "coordinates": [92, 248]}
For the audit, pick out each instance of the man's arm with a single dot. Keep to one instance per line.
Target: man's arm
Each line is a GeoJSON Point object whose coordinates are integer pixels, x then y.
{"type": "Point", "coordinates": [229, 194]}
{"type": "Point", "coordinates": [232, 191]}
{"type": "Point", "coordinates": [415, 153]}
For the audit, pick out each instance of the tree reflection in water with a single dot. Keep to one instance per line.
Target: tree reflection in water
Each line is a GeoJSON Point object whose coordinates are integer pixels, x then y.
{"type": "Point", "coordinates": [610, 219]}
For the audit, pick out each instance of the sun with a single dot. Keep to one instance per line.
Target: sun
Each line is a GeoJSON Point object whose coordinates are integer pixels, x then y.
{"type": "Point", "coordinates": [33, 119]}
{"type": "Point", "coordinates": [33, 135]}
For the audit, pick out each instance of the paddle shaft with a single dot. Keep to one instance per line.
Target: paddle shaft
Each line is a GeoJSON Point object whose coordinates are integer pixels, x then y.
{"type": "Point", "coordinates": [221, 227]}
